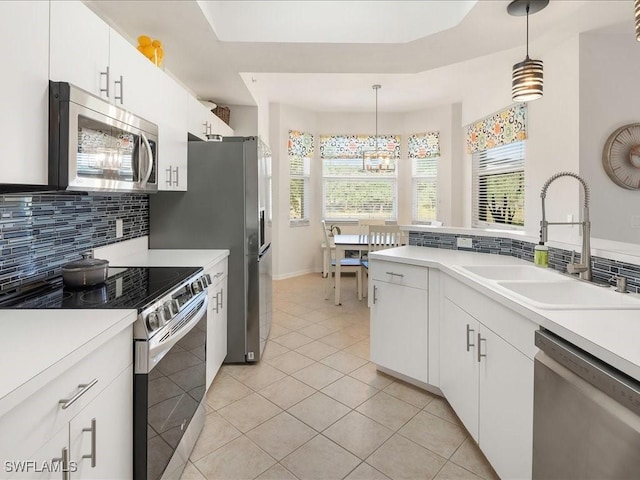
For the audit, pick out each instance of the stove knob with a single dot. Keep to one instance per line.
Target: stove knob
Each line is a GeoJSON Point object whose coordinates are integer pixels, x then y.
{"type": "Point", "coordinates": [163, 315]}
{"type": "Point", "coordinates": [196, 287]}
{"type": "Point", "coordinates": [203, 281]}
{"type": "Point", "coordinates": [170, 308]}
{"type": "Point", "coordinates": [208, 277]}
{"type": "Point", "coordinates": [176, 305]}
{"type": "Point", "coordinates": [153, 322]}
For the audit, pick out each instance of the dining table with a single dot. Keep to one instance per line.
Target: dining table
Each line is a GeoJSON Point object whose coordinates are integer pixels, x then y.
{"type": "Point", "coordinates": [359, 243]}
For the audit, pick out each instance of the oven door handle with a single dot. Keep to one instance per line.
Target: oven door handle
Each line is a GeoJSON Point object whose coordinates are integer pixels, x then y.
{"type": "Point", "coordinates": [157, 352]}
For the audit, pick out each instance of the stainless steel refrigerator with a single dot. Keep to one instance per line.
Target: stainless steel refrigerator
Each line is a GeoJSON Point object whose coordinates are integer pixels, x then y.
{"type": "Point", "coordinates": [227, 205]}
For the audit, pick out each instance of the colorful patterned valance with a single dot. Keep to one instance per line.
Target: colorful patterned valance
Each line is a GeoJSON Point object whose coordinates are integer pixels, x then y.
{"type": "Point", "coordinates": [423, 145]}
{"type": "Point", "coordinates": [504, 127]}
{"type": "Point", "coordinates": [352, 146]}
{"type": "Point", "coordinates": [300, 144]}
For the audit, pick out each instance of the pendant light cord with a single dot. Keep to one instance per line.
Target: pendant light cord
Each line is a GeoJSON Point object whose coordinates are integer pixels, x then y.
{"type": "Point", "coordinates": [527, 31]}
{"type": "Point", "coordinates": [377, 151]}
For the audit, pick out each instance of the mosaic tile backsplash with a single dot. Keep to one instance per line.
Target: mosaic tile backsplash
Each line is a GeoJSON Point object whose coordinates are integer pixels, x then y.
{"type": "Point", "coordinates": [41, 232]}
{"type": "Point", "coordinates": [604, 270]}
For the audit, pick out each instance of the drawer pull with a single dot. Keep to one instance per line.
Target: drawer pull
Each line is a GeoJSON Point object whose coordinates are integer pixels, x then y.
{"type": "Point", "coordinates": [375, 297]}
{"type": "Point", "coordinates": [395, 274]}
{"type": "Point", "coordinates": [64, 459]}
{"type": "Point", "coordinates": [84, 388]}
{"type": "Point", "coordinates": [92, 455]}
{"type": "Point", "coordinates": [218, 274]}
{"type": "Point", "coordinates": [469, 344]}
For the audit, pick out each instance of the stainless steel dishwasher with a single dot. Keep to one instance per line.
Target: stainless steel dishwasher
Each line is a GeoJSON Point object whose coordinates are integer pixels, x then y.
{"type": "Point", "coordinates": [586, 419]}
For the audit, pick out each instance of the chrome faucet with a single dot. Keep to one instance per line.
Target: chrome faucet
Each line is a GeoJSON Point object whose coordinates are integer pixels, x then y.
{"type": "Point", "coordinates": [583, 268]}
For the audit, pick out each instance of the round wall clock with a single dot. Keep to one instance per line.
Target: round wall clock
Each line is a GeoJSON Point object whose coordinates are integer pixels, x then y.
{"type": "Point", "coordinates": [621, 156]}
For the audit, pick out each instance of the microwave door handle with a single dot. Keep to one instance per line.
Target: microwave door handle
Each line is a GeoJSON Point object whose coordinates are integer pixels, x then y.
{"type": "Point", "coordinates": [150, 157]}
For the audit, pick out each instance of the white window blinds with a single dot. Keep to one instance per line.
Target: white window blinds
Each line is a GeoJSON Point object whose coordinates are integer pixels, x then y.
{"type": "Point", "coordinates": [351, 190]}
{"type": "Point", "coordinates": [300, 149]}
{"type": "Point", "coordinates": [498, 186]}
{"type": "Point", "coordinates": [424, 151]}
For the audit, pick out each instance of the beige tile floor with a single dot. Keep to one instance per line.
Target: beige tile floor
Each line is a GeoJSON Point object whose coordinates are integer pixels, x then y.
{"type": "Point", "coordinates": [316, 408]}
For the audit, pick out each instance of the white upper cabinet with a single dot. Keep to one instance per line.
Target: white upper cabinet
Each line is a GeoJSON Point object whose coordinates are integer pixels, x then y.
{"type": "Point", "coordinates": [25, 57]}
{"type": "Point", "coordinates": [79, 49]}
{"type": "Point", "coordinates": [132, 78]}
{"type": "Point", "coordinates": [170, 103]}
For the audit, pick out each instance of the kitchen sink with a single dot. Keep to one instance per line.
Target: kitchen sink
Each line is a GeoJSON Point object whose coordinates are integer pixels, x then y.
{"type": "Point", "coordinates": [515, 272]}
{"type": "Point", "coordinates": [571, 295]}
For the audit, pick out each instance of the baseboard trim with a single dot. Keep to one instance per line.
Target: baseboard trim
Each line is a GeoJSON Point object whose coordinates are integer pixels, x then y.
{"type": "Point", "coordinates": [284, 276]}
{"type": "Point", "coordinates": [425, 386]}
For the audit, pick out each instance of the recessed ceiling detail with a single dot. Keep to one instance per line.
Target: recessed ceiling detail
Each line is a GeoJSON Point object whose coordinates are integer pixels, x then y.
{"type": "Point", "coordinates": [329, 21]}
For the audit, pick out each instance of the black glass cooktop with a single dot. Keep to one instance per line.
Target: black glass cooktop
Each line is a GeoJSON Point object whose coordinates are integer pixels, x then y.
{"type": "Point", "coordinates": [127, 288]}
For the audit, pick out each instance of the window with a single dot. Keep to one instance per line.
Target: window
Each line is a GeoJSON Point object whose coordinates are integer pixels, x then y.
{"type": "Point", "coordinates": [498, 186]}
{"type": "Point", "coordinates": [424, 151]}
{"type": "Point", "coordinates": [300, 149]}
{"type": "Point", "coordinates": [353, 190]}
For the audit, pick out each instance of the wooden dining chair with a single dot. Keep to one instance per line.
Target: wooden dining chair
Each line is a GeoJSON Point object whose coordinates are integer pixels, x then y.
{"type": "Point", "coordinates": [381, 237]}
{"type": "Point", "coordinates": [365, 223]}
{"type": "Point", "coordinates": [349, 265]}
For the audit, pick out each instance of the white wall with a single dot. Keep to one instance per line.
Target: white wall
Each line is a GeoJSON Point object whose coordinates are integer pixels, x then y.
{"type": "Point", "coordinates": [609, 98]}
{"type": "Point", "coordinates": [296, 248]}
{"type": "Point", "coordinates": [552, 126]}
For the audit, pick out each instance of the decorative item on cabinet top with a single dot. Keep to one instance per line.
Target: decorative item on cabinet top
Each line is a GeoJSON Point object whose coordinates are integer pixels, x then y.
{"type": "Point", "coordinates": [152, 49]}
{"type": "Point", "coordinates": [223, 113]}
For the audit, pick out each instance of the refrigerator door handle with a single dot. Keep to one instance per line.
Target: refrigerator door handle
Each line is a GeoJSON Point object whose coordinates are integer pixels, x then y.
{"type": "Point", "coordinates": [264, 251]}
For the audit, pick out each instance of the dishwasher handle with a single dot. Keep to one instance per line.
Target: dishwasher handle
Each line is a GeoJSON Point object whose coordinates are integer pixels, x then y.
{"type": "Point", "coordinates": [606, 378]}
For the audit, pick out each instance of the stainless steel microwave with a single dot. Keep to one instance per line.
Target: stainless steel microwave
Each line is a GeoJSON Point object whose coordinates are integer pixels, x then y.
{"type": "Point", "coordinates": [96, 146]}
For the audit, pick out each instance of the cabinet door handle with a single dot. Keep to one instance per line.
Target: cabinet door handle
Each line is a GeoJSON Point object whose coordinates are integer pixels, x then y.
{"type": "Point", "coordinates": [221, 297]}
{"type": "Point", "coordinates": [206, 128]}
{"type": "Point", "coordinates": [375, 292]}
{"type": "Point", "coordinates": [121, 83]}
{"type": "Point", "coordinates": [84, 388]}
{"type": "Point", "coordinates": [219, 274]}
{"type": "Point", "coordinates": [176, 181]}
{"type": "Point", "coordinates": [92, 455]}
{"type": "Point", "coordinates": [480, 354]}
{"type": "Point", "coordinates": [469, 344]}
{"type": "Point", "coordinates": [217, 303]}
{"type": "Point", "coordinates": [169, 175]}
{"type": "Point", "coordinates": [64, 459]}
{"type": "Point", "coordinates": [106, 74]}
{"type": "Point", "coordinates": [395, 274]}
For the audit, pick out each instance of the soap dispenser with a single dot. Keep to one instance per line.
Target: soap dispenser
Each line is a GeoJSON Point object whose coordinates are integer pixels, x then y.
{"type": "Point", "coordinates": [541, 255]}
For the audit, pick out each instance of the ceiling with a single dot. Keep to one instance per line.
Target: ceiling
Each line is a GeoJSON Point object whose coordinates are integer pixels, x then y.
{"type": "Point", "coordinates": [332, 68]}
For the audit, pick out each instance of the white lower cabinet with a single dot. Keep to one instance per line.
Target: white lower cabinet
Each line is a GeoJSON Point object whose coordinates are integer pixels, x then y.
{"type": "Point", "coordinates": [399, 300]}
{"type": "Point", "coordinates": [216, 320]}
{"type": "Point", "coordinates": [80, 422]}
{"type": "Point", "coordinates": [458, 366]}
{"type": "Point", "coordinates": [487, 380]}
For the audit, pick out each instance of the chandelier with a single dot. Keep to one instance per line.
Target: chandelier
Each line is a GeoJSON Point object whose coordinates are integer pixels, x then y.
{"type": "Point", "coordinates": [377, 160]}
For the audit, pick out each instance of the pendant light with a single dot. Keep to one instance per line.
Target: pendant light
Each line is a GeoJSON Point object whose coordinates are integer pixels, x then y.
{"type": "Point", "coordinates": [527, 80]}
{"type": "Point", "coordinates": [637, 11]}
{"type": "Point", "coordinates": [377, 160]}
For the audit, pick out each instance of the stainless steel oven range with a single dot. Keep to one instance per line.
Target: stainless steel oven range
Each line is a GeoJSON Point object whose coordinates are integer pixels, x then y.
{"type": "Point", "coordinates": [169, 353]}
{"type": "Point", "coordinates": [169, 380]}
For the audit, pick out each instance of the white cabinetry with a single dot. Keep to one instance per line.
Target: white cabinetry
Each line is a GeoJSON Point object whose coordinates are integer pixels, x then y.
{"type": "Point", "coordinates": [86, 411]}
{"type": "Point", "coordinates": [216, 319]}
{"type": "Point", "coordinates": [488, 378]}
{"type": "Point", "coordinates": [79, 48]}
{"type": "Point", "coordinates": [23, 123]}
{"type": "Point", "coordinates": [171, 116]}
{"type": "Point", "coordinates": [201, 121]}
{"type": "Point", "coordinates": [399, 299]}
{"type": "Point", "coordinates": [87, 53]}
